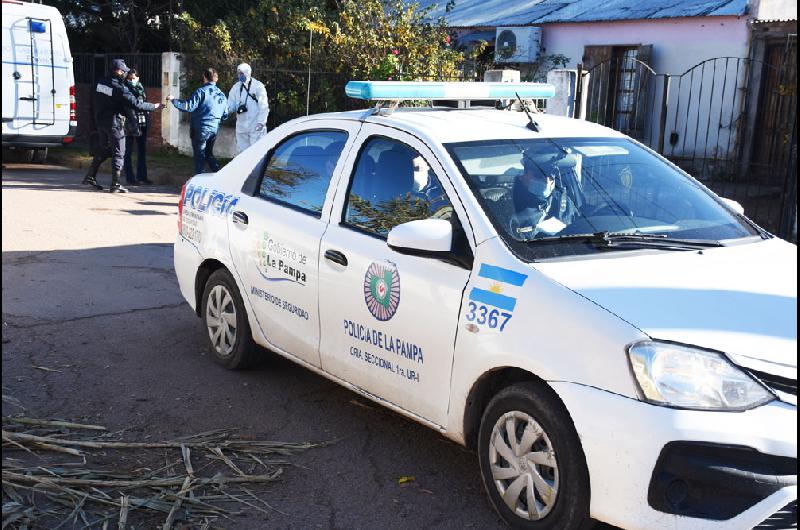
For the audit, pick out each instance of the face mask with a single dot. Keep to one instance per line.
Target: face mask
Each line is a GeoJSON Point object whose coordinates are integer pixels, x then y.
{"type": "Point", "coordinates": [540, 188]}
{"type": "Point", "coordinates": [135, 83]}
{"type": "Point", "coordinates": [242, 78]}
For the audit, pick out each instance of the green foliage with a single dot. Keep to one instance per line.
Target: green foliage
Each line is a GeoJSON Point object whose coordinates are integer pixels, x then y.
{"type": "Point", "coordinates": [390, 39]}
{"type": "Point", "coordinates": [369, 39]}
{"type": "Point", "coordinates": [266, 34]}
{"type": "Point", "coordinates": [125, 26]}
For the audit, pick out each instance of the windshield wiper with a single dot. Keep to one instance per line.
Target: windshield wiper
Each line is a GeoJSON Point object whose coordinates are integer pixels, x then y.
{"type": "Point", "coordinates": [620, 240]}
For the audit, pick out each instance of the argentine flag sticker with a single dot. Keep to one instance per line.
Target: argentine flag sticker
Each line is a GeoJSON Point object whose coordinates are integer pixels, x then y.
{"type": "Point", "coordinates": [500, 286]}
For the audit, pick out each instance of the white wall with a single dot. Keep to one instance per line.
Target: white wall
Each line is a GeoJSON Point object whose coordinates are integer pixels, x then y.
{"type": "Point", "coordinates": [774, 9]}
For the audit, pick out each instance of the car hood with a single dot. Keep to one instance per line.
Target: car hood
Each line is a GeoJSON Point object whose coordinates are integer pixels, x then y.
{"type": "Point", "coordinates": [741, 299]}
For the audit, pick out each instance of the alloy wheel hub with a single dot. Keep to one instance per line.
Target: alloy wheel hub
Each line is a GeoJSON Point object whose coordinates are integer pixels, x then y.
{"type": "Point", "coordinates": [523, 465]}
{"type": "Point", "coordinates": [221, 320]}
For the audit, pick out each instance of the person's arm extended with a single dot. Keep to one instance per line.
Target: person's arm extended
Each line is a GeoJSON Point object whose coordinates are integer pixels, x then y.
{"type": "Point", "coordinates": [134, 102]}
{"type": "Point", "coordinates": [191, 104]}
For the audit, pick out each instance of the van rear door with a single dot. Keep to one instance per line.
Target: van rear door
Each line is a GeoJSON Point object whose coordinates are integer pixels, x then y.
{"type": "Point", "coordinates": [37, 84]}
{"type": "Point", "coordinates": [37, 73]}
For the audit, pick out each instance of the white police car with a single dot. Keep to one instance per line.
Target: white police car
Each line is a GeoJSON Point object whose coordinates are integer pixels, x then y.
{"type": "Point", "coordinates": [615, 341]}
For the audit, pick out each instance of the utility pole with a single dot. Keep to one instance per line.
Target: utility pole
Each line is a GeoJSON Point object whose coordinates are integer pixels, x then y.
{"type": "Point", "coordinates": [308, 88]}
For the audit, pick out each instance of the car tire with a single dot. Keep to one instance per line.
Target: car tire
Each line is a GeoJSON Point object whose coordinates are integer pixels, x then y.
{"type": "Point", "coordinates": [514, 478]}
{"type": "Point", "coordinates": [225, 317]}
{"type": "Point", "coordinates": [24, 156]}
{"type": "Point", "coordinates": [39, 155]}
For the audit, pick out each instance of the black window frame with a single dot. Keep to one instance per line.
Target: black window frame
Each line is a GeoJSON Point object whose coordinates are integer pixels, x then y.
{"type": "Point", "coordinates": [252, 184]}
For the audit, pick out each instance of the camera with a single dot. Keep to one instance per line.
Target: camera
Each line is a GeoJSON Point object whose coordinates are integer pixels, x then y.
{"type": "Point", "coordinates": [242, 109]}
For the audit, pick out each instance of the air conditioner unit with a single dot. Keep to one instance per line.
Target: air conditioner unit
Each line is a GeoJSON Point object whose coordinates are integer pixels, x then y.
{"type": "Point", "coordinates": [517, 45]}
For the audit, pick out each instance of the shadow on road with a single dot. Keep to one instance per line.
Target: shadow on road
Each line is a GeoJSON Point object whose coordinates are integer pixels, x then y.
{"type": "Point", "coordinates": [59, 285]}
{"type": "Point", "coordinates": [50, 177]}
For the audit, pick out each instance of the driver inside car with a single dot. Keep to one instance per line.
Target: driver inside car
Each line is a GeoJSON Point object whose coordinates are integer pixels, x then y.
{"type": "Point", "coordinates": [540, 206]}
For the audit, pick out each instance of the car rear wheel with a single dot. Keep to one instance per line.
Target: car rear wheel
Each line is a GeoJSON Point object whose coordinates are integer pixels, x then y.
{"type": "Point", "coordinates": [532, 462]}
{"type": "Point", "coordinates": [226, 320]}
{"type": "Point", "coordinates": [39, 155]}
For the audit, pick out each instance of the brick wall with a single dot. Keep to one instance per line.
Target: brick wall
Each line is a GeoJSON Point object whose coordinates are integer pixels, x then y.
{"type": "Point", "coordinates": [83, 97]}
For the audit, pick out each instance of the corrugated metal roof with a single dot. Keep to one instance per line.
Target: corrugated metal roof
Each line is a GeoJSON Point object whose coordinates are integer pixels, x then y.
{"type": "Point", "coordinates": [492, 13]}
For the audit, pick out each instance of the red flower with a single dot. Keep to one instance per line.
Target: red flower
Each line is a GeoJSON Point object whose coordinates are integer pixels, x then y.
{"type": "Point", "coordinates": [447, 39]}
{"type": "Point", "coordinates": [395, 52]}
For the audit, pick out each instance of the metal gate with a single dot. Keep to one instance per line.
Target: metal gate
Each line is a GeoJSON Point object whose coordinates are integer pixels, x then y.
{"type": "Point", "coordinates": [89, 67]}
{"type": "Point", "coordinates": [728, 121]}
{"type": "Point", "coordinates": [620, 95]}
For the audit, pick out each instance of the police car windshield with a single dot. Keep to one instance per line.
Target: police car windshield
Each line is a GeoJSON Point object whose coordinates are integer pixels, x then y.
{"type": "Point", "coordinates": [545, 189]}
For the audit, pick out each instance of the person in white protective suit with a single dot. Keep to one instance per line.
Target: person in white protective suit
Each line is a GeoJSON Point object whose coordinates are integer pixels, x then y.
{"type": "Point", "coordinates": [248, 99]}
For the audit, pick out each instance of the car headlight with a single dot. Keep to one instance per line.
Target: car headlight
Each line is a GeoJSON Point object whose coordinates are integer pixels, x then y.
{"type": "Point", "coordinates": [685, 377]}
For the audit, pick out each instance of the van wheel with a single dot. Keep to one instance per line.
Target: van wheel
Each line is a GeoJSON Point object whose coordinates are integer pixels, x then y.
{"type": "Point", "coordinates": [531, 460]}
{"type": "Point", "coordinates": [225, 318]}
{"type": "Point", "coordinates": [25, 156]}
{"type": "Point", "coordinates": [39, 155]}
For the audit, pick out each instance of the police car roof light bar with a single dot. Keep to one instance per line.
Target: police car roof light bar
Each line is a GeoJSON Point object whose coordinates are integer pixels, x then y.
{"type": "Point", "coordinates": [431, 90]}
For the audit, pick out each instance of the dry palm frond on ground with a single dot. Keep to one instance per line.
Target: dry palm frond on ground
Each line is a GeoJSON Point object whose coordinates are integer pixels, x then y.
{"type": "Point", "coordinates": [60, 474]}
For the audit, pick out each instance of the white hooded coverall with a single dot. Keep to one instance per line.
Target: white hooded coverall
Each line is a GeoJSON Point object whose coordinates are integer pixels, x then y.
{"type": "Point", "coordinates": [257, 111]}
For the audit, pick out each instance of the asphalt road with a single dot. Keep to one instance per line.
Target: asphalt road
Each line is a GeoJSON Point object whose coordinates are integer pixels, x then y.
{"type": "Point", "coordinates": [90, 293]}
{"type": "Point", "coordinates": [89, 289]}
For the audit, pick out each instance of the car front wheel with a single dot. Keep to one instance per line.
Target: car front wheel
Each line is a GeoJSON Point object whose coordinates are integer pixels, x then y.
{"type": "Point", "coordinates": [225, 318]}
{"type": "Point", "coordinates": [532, 462]}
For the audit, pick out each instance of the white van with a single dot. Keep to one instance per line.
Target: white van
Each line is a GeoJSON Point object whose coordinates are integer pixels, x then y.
{"type": "Point", "coordinates": [38, 82]}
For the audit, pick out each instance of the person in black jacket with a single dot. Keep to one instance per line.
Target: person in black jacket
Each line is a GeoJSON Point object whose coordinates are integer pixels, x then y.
{"type": "Point", "coordinates": [113, 101]}
{"type": "Point", "coordinates": [140, 139]}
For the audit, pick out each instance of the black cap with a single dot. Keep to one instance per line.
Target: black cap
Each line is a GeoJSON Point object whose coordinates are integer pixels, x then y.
{"type": "Point", "coordinates": [119, 64]}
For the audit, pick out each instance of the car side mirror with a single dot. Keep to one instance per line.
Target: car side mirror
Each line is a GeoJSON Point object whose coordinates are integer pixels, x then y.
{"type": "Point", "coordinates": [425, 237]}
{"type": "Point", "coordinates": [733, 205]}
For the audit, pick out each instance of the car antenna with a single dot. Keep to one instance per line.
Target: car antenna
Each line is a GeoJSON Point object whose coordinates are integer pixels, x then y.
{"type": "Point", "coordinates": [532, 125]}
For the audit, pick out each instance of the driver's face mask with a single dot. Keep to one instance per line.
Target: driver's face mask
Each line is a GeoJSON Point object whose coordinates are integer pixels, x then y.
{"type": "Point", "coordinates": [541, 188]}
{"type": "Point", "coordinates": [242, 77]}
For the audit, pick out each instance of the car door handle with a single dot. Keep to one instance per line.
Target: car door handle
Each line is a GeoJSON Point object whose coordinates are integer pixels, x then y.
{"type": "Point", "coordinates": [240, 217]}
{"type": "Point", "coordinates": [336, 257]}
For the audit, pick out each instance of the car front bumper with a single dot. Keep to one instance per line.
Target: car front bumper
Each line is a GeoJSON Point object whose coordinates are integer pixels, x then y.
{"type": "Point", "coordinates": [657, 467]}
